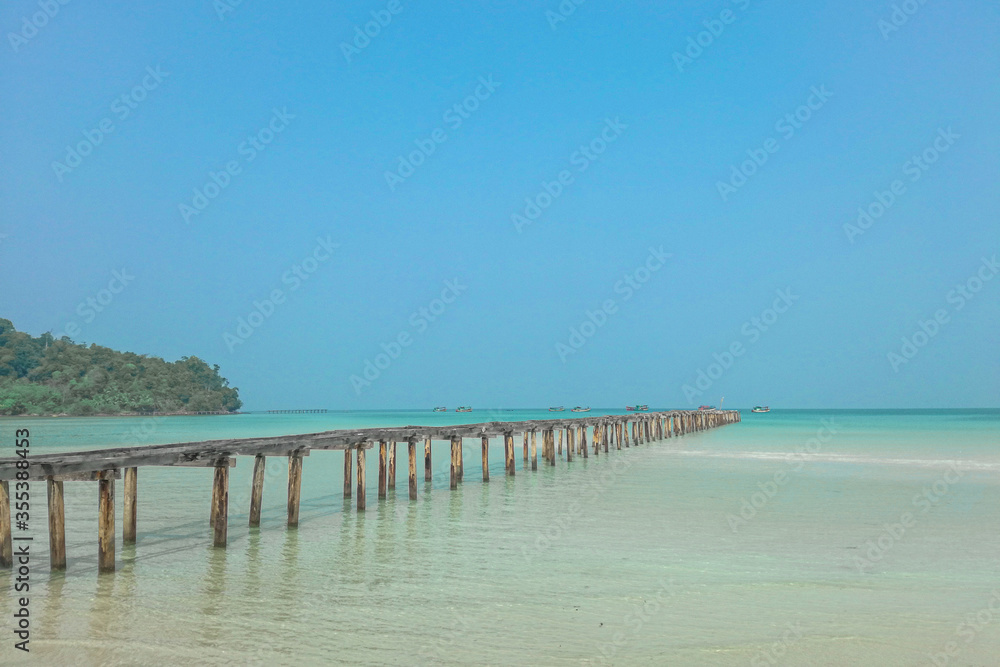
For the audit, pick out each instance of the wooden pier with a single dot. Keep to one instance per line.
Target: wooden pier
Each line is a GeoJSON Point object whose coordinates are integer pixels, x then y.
{"type": "Point", "coordinates": [105, 466]}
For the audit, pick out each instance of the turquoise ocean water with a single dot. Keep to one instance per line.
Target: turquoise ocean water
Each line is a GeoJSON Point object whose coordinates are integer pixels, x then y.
{"type": "Point", "coordinates": [794, 538]}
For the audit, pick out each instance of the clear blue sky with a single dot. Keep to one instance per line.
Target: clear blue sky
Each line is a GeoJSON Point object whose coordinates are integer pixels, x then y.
{"type": "Point", "coordinates": [674, 134]}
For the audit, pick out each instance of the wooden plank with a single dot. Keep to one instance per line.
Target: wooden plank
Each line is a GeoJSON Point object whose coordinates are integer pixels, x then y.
{"type": "Point", "coordinates": [361, 479]}
{"type": "Point", "coordinates": [106, 525]}
{"type": "Point", "coordinates": [257, 488]}
{"type": "Point", "coordinates": [6, 547]}
{"type": "Point", "coordinates": [220, 528]}
{"type": "Point", "coordinates": [411, 448]}
{"type": "Point", "coordinates": [129, 505]}
{"type": "Point", "coordinates": [57, 525]}
{"type": "Point", "coordinates": [294, 488]}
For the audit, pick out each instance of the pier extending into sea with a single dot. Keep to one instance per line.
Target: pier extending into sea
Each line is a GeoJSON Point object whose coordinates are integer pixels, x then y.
{"type": "Point", "coordinates": [560, 438]}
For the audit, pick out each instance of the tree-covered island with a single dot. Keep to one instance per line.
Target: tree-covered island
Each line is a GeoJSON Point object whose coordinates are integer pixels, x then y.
{"type": "Point", "coordinates": [46, 376]}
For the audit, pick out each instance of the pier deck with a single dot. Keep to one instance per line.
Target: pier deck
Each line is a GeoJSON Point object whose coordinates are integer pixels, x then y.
{"type": "Point", "coordinates": [104, 466]}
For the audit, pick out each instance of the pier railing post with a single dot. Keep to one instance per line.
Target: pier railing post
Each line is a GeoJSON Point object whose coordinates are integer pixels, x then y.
{"type": "Point", "coordinates": [257, 487]}
{"type": "Point", "coordinates": [130, 510]}
{"type": "Point", "coordinates": [220, 496]}
{"type": "Point", "coordinates": [294, 487]}
{"type": "Point", "coordinates": [106, 522]}
{"type": "Point", "coordinates": [411, 450]}
{"type": "Point", "coordinates": [6, 547]}
{"type": "Point", "coordinates": [57, 525]}
{"type": "Point", "coordinates": [361, 477]}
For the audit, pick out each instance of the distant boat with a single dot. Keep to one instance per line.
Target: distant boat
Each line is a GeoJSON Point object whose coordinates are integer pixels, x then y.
{"type": "Point", "coordinates": [637, 408]}
{"type": "Point", "coordinates": [442, 409]}
{"type": "Point", "coordinates": [579, 409]}
{"type": "Point", "coordinates": [706, 407]}
{"type": "Point", "coordinates": [559, 409]}
{"type": "Point", "coordinates": [464, 408]}
{"type": "Point", "coordinates": [760, 408]}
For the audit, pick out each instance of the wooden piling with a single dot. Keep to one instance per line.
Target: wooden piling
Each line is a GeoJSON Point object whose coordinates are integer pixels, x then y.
{"type": "Point", "coordinates": [569, 444]}
{"type": "Point", "coordinates": [220, 512]}
{"type": "Point", "coordinates": [525, 449]}
{"type": "Point", "coordinates": [57, 525]}
{"type": "Point", "coordinates": [361, 477]}
{"type": "Point", "coordinates": [257, 486]}
{"type": "Point", "coordinates": [391, 477]}
{"type": "Point", "coordinates": [348, 472]}
{"type": "Point", "coordinates": [106, 522]}
{"type": "Point", "coordinates": [294, 487]}
{"type": "Point", "coordinates": [508, 453]}
{"type": "Point", "coordinates": [559, 453]}
{"type": "Point", "coordinates": [456, 444]}
{"type": "Point", "coordinates": [597, 439]}
{"type": "Point", "coordinates": [382, 472]}
{"type": "Point", "coordinates": [129, 505]}
{"type": "Point", "coordinates": [486, 458]}
{"type": "Point", "coordinates": [461, 461]}
{"type": "Point", "coordinates": [534, 452]}
{"type": "Point", "coordinates": [428, 473]}
{"type": "Point", "coordinates": [606, 431]}
{"type": "Point", "coordinates": [583, 441]}
{"type": "Point", "coordinates": [411, 449]}
{"type": "Point", "coordinates": [6, 548]}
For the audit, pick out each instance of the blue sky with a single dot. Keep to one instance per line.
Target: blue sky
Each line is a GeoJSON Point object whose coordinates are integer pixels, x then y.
{"type": "Point", "coordinates": [640, 137]}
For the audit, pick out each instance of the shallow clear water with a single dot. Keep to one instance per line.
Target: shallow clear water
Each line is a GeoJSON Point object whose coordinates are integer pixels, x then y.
{"type": "Point", "coordinates": [763, 542]}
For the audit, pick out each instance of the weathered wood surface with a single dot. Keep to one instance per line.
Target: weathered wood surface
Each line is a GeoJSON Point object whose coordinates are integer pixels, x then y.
{"type": "Point", "coordinates": [106, 525]}
{"type": "Point", "coordinates": [361, 479]}
{"type": "Point", "coordinates": [130, 510]}
{"type": "Point", "coordinates": [208, 453]}
{"type": "Point", "coordinates": [294, 487]}
{"type": "Point", "coordinates": [257, 487]}
{"type": "Point", "coordinates": [57, 526]}
{"type": "Point", "coordinates": [411, 449]}
{"type": "Point", "coordinates": [6, 548]}
{"type": "Point", "coordinates": [220, 505]}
